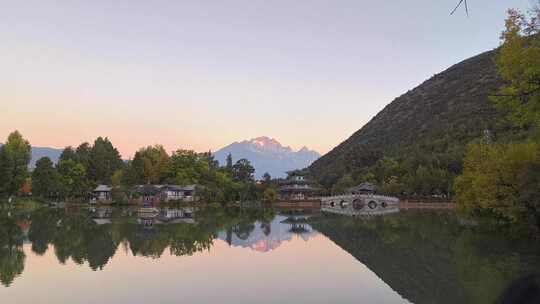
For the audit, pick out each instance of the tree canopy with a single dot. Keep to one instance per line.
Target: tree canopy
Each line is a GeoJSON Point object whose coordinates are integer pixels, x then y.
{"type": "Point", "coordinates": [188, 167]}
{"type": "Point", "coordinates": [519, 64]}
{"type": "Point", "coordinates": [501, 179]}
{"type": "Point", "coordinates": [150, 165]}
{"type": "Point", "coordinates": [73, 179]}
{"type": "Point", "coordinates": [45, 178]}
{"type": "Point", "coordinates": [497, 180]}
{"type": "Point", "coordinates": [243, 170]}
{"type": "Point", "coordinates": [100, 160]}
{"type": "Point", "coordinates": [103, 160]}
{"type": "Point", "coordinates": [14, 159]}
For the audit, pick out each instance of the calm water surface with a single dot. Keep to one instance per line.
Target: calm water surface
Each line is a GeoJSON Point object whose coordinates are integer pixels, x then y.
{"type": "Point", "coordinates": [253, 256]}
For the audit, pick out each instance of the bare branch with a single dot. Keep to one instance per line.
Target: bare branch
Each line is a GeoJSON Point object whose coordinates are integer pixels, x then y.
{"type": "Point", "coordinates": [459, 4]}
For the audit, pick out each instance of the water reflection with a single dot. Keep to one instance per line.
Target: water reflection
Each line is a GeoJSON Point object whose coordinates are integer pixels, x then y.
{"type": "Point", "coordinates": [432, 258]}
{"type": "Point", "coordinates": [424, 257]}
{"type": "Point", "coordinates": [267, 235]}
{"type": "Point", "coordinates": [12, 256]}
{"type": "Point", "coordinates": [94, 235]}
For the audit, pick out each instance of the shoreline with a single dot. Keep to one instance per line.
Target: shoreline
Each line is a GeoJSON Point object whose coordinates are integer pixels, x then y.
{"type": "Point", "coordinates": [419, 204]}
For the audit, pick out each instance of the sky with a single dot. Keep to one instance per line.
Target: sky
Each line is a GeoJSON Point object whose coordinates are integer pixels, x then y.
{"type": "Point", "coordinates": [202, 74]}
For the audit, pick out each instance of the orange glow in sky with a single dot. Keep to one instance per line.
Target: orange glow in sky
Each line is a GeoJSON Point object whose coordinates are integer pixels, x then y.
{"type": "Point", "coordinates": [201, 75]}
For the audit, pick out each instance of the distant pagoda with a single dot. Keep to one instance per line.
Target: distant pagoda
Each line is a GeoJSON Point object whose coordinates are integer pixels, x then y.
{"type": "Point", "coordinates": [296, 187]}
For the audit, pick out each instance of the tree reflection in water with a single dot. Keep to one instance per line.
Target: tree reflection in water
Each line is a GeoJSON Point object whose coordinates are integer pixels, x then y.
{"type": "Point", "coordinates": [431, 258]}
{"type": "Point", "coordinates": [77, 236]}
{"type": "Point", "coordinates": [73, 235]}
{"type": "Point", "coordinates": [12, 256]}
{"type": "Point", "coordinates": [425, 257]}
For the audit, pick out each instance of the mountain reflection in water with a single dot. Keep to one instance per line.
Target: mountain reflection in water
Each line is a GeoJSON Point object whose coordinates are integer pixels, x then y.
{"type": "Point", "coordinates": [422, 257]}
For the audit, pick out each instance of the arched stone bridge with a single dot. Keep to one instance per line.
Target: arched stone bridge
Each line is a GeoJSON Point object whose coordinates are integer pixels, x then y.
{"type": "Point", "coordinates": [360, 204]}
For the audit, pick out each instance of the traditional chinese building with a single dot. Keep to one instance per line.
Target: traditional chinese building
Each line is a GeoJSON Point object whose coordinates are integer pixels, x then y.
{"type": "Point", "coordinates": [155, 194]}
{"type": "Point", "coordinates": [171, 193]}
{"type": "Point", "coordinates": [297, 190]}
{"type": "Point", "coordinates": [102, 193]}
{"type": "Point", "coordinates": [363, 188]}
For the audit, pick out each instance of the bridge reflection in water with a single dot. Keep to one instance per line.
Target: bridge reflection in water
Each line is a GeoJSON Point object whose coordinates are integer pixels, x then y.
{"type": "Point", "coordinates": [424, 257]}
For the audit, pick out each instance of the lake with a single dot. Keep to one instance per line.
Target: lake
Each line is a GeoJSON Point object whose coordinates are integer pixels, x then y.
{"type": "Point", "coordinates": [121, 255]}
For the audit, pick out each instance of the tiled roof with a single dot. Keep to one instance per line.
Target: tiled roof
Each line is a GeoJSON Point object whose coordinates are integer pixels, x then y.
{"type": "Point", "coordinates": [179, 188]}
{"type": "Point", "coordinates": [103, 188]}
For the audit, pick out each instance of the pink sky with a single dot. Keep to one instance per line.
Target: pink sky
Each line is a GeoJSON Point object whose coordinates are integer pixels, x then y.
{"type": "Point", "coordinates": [200, 75]}
{"type": "Point", "coordinates": [233, 274]}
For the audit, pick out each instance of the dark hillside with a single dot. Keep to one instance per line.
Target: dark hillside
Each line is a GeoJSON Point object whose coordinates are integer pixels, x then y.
{"type": "Point", "coordinates": [441, 115]}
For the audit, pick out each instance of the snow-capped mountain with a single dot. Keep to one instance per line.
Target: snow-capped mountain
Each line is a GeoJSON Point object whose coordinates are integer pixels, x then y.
{"type": "Point", "coordinates": [268, 155]}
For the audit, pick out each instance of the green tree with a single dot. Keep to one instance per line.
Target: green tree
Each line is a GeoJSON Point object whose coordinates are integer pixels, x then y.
{"type": "Point", "coordinates": [129, 175]}
{"type": "Point", "coordinates": [208, 157]}
{"type": "Point", "coordinates": [104, 160]}
{"type": "Point", "coordinates": [529, 195]}
{"type": "Point", "coordinates": [270, 195]}
{"type": "Point", "coordinates": [392, 186]}
{"type": "Point", "coordinates": [68, 153]}
{"type": "Point", "coordinates": [45, 179]}
{"type": "Point", "coordinates": [117, 178]}
{"type": "Point", "coordinates": [248, 191]}
{"type": "Point", "coordinates": [385, 168]}
{"type": "Point", "coordinates": [229, 162]}
{"type": "Point", "coordinates": [345, 182]}
{"type": "Point", "coordinates": [187, 167]}
{"type": "Point", "coordinates": [496, 180]}
{"type": "Point", "coordinates": [83, 154]}
{"type": "Point", "coordinates": [243, 170]}
{"type": "Point", "coordinates": [518, 63]}
{"type": "Point", "coordinates": [501, 179]}
{"type": "Point", "coordinates": [219, 187]}
{"type": "Point", "coordinates": [427, 180]}
{"type": "Point", "coordinates": [73, 179]}
{"type": "Point", "coordinates": [151, 165]}
{"type": "Point", "coordinates": [267, 182]}
{"type": "Point", "coordinates": [14, 159]}
{"type": "Point", "coordinates": [369, 177]}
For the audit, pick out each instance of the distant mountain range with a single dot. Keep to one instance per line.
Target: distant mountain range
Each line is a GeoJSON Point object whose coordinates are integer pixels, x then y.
{"type": "Point", "coordinates": [268, 155]}
{"type": "Point", "coordinates": [39, 152]}
{"type": "Point", "coordinates": [265, 154]}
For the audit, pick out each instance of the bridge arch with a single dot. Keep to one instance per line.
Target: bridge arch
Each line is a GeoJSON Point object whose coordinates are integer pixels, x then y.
{"type": "Point", "coordinates": [358, 204]}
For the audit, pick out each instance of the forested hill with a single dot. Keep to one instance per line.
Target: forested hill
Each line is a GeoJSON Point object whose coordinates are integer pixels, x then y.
{"type": "Point", "coordinates": [440, 116]}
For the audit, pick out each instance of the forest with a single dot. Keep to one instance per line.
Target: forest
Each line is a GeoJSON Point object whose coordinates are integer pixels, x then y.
{"type": "Point", "coordinates": [469, 134]}
{"type": "Point", "coordinates": [81, 169]}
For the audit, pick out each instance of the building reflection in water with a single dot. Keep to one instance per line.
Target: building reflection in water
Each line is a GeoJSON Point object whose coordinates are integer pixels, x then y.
{"type": "Point", "coordinates": [424, 257]}
{"type": "Point", "coordinates": [264, 236]}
